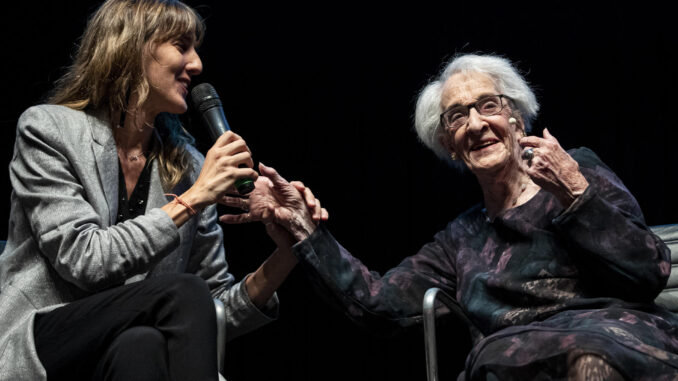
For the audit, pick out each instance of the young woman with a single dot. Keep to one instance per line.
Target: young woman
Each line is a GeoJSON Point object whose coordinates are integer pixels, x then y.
{"type": "Point", "coordinates": [114, 250]}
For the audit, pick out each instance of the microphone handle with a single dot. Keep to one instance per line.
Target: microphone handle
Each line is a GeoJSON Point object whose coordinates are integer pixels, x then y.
{"type": "Point", "coordinates": [216, 123]}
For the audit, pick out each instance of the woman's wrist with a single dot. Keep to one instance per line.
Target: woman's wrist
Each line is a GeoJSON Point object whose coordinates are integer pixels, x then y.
{"type": "Point", "coordinates": [184, 206]}
{"type": "Point", "coordinates": [261, 284]}
{"type": "Point", "coordinates": [301, 228]}
{"type": "Point", "coordinates": [577, 188]}
{"type": "Point", "coordinates": [193, 197]}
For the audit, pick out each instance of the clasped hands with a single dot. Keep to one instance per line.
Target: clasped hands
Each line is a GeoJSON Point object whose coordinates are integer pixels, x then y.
{"type": "Point", "coordinates": [289, 210]}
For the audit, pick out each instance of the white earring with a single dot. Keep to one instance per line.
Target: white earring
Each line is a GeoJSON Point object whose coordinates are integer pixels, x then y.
{"type": "Point", "coordinates": [512, 120]}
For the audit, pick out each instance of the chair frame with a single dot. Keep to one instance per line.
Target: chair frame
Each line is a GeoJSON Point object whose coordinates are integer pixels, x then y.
{"type": "Point", "coordinates": [433, 294]}
{"type": "Point", "coordinates": [221, 333]}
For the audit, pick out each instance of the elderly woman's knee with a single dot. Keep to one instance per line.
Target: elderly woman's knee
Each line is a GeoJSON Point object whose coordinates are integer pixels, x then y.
{"type": "Point", "coordinates": [591, 368]}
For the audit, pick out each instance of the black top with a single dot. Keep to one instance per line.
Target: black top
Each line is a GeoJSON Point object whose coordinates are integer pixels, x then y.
{"type": "Point", "coordinates": [136, 204]}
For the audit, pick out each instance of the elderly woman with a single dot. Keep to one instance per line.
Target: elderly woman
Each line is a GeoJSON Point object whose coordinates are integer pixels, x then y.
{"type": "Point", "coordinates": [107, 273]}
{"type": "Point", "coordinates": [556, 269]}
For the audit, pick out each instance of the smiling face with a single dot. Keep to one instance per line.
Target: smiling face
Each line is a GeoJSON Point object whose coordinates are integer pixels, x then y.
{"type": "Point", "coordinates": [487, 144]}
{"type": "Point", "coordinates": [168, 67]}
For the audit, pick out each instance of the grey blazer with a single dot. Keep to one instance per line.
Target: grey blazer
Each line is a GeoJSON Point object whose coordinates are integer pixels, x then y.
{"type": "Point", "coordinates": [63, 243]}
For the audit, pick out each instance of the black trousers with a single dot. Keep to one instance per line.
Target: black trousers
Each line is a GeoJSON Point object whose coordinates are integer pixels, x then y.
{"type": "Point", "coordinates": [162, 328]}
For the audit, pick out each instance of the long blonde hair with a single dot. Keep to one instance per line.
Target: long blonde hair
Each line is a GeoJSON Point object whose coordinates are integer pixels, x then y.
{"type": "Point", "coordinates": [108, 67]}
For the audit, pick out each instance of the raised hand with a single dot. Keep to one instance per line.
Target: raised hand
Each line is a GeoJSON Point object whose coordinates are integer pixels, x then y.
{"type": "Point", "coordinates": [553, 169]}
{"type": "Point", "coordinates": [278, 203]}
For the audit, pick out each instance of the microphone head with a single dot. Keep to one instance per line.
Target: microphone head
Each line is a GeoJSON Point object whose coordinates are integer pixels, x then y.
{"type": "Point", "coordinates": [204, 97]}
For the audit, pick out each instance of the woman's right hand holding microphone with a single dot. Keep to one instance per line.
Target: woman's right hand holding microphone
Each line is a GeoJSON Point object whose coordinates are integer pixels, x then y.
{"type": "Point", "coordinates": [228, 160]}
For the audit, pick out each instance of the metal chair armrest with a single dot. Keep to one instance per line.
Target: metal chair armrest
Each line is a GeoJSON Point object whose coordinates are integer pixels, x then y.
{"type": "Point", "coordinates": [433, 294]}
{"type": "Point", "coordinates": [221, 333]}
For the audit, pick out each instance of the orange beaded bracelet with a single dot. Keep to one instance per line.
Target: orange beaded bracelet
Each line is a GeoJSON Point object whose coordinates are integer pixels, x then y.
{"type": "Point", "coordinates": [178, 200]}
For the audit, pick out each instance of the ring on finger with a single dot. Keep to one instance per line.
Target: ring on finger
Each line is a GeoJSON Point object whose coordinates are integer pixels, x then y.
{"type": "Point", "coordinates": [528, 154]}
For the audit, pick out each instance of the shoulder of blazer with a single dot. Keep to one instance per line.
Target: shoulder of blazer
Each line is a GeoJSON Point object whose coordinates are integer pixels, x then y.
{"type": "Point", "coordinates": [72, 125]}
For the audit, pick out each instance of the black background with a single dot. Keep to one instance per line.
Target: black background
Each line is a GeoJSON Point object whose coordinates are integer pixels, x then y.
{"type": "Point", "coordinates": [325, 93]}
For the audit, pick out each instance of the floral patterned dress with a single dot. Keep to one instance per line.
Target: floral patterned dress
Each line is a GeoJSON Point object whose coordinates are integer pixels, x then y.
{"type": "Point", "coordinates": [541, 285]}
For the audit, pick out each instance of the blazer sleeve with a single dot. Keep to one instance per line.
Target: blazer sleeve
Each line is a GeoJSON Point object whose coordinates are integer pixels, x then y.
{"type": "Point", "coordinates": [69, 232]}
{"type": "Point", "coordinates": [208, 261]}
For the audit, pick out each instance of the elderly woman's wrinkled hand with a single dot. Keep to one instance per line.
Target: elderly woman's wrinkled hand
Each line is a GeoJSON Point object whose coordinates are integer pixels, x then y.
{"type": "Point", "coordinates": [319, 213]}
{"type": "Point", "coordinates": [553, 169]}
{"type": "Point", "coordinates": [290, 211]}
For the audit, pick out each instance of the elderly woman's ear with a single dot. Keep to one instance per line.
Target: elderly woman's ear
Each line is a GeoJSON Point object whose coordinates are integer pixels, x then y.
{"type": "Point", "coordinates": [517, 121]}
{"type": "Point", "coordinates": [446, 141]}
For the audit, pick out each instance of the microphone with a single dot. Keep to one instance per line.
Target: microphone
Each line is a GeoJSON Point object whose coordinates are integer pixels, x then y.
{"type": "Point", "coordinates": [206, 100]}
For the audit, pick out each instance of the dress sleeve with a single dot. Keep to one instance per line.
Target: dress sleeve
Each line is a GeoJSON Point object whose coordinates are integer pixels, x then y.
{"type": "Point", "coordinates": [68, 230]}
{"type": "Point", "coordinates": [208, 261]}
{"type": "Point", "coordinates": [381, 303]}
{"type": "Point", "coordinates": [616, 251]}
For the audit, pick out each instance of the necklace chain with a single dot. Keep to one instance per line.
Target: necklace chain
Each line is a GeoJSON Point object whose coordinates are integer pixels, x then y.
{"type": "Point", "coordinates": [133, 157]}
{"type": "Point", "coordinates": [136, 157]}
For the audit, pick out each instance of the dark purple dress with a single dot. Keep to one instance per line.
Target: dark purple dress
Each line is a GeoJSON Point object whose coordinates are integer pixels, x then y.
{"type": "Point", "coordinates": [541, 284]}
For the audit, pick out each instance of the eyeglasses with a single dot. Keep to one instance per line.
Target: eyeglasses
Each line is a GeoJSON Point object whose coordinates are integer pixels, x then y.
{"type": "Point", "coordinates": [457, 117]}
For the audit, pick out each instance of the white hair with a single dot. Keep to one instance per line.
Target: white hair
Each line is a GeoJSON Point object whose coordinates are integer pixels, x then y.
{"type": "Point", "coordinates": [506, 80]}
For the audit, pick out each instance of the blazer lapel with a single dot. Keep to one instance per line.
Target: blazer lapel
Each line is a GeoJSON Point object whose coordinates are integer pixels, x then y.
{"type": "Point", "coordinates": [156, 192]}
{"type": "Point", "coordinates": [106, 158]}
{"type": "Point", "coordinates": [156, 195]}
{"type": "Point", "coordinates": [175, 261]}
